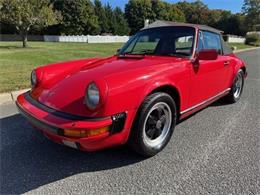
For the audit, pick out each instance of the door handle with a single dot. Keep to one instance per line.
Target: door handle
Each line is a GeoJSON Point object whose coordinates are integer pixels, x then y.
{"type": "Point", "coordinates": [226, 63]}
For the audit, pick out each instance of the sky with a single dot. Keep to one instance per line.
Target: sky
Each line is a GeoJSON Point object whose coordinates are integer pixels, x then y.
{"type": "Point", "coordinates": [231, 5]}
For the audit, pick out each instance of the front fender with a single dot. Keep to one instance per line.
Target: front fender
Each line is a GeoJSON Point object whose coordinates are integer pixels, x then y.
{"type": "Point", "coordinates": [156, 85]}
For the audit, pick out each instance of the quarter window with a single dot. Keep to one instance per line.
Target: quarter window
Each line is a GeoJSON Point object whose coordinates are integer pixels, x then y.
{"type": "Point", "coordinates": [212, 41]}
{"type": "Point", "coordinates": [200, 41]}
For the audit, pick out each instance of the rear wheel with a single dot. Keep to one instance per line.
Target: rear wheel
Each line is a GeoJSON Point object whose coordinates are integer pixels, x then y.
{"type": "Point", "coordinates": [237, 88]}
{"type": "Point", "coordinates": [154, 124]}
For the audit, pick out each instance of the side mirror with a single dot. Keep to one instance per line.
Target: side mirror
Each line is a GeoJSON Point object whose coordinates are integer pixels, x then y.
{"type": "Point", "coordinates": [207, 54]}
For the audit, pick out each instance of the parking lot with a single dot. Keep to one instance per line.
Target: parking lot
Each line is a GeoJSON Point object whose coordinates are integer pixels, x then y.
{"type": "Point", "coordinates": [215, 151]}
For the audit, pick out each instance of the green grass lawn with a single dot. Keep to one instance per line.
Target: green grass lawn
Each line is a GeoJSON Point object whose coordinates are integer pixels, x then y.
{"type": "Point", "coordinates": [241, 45]}
{"type": "Point", "coordinates": [16, 63]}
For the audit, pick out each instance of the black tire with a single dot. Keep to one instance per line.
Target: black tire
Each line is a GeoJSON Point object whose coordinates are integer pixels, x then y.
{"type": "Point", "coordinates": [138, 139]}
{"type": "Point", "coordinates": [233, 96]}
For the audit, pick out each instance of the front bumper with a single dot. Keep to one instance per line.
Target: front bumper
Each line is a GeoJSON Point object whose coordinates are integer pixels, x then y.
{"type": "Point", "coordinates": [52, 123]}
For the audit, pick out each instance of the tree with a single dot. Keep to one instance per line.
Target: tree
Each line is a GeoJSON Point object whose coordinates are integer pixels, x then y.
{"type": "Point", "coordinates": [174, 14]}
{"type": "Point", "coordinates": [187, 9]}
{"type": "Point", "coordinates": [24, 14]}
{"type": "Point", "coordinates": [159, 10]}
{"type": "Point", "coordinates": [200, 13]}
{"type": "Point", "coordinates": [220, 19]}
{"type": "Point", "coordinates": [196, 12]}
{"type": "Point", "coordinates": [236, 25]}
{"type": "Point", "coordinates": [231, 23]}
{"type": "Point", "coordinates": [120, 26]}
{"type": "Point", "coordinates": [251, 8]}
{"type": "Point", "coordinates": [215, 16]}
{"type": "Point", "coordinates": [136, 11]}
{"type": "Point", "coordinates": [78, 17]}
{"type": "Point", "coordinates": [103, 21]}
{"type": "Point", "coordinates": [165, 11]}
{"type": "Point", "coordinates": [110, 21]}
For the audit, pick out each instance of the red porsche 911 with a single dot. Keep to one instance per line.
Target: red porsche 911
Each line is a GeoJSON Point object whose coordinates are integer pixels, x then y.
{"type": "Point", "coordinates": [162, 74]}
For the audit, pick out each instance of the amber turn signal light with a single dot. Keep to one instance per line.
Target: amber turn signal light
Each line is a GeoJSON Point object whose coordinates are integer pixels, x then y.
{"type": "Point", "coordinates": [85, 132]}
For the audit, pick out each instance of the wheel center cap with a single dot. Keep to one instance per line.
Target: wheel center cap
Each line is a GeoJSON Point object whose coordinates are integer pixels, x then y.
{"type": "Point", "coordinates": [158, 124]}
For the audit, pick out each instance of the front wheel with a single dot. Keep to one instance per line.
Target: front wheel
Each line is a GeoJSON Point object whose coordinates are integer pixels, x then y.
{"type": "Point", "coordinates": [154, 124]}
{"type": "Point", "coordinates": [237, 88]}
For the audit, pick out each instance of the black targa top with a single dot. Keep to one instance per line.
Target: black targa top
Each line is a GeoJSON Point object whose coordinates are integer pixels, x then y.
{"type": "Point", "coordinates": [163, 23]}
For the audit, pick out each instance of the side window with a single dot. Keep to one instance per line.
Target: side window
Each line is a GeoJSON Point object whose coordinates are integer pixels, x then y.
{"type": "Point", "coordinates": [212, 41]}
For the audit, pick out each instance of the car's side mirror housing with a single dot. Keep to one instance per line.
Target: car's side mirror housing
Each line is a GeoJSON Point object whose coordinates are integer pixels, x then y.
{"type": "Point", "coordinates": [207, 54]}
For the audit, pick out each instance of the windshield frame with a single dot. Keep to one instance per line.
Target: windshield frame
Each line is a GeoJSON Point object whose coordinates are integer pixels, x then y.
{"type": "Point", "coordinates": [133, 38]}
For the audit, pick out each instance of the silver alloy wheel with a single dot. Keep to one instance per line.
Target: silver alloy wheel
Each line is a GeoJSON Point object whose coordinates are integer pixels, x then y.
{"type": "Point", "coordinates": [238, 85]}
{"type": "Point", "coordinates": [157, 125]}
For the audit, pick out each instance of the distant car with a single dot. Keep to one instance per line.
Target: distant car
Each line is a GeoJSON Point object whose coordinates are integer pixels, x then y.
{"type": "Point", "coordinates": [161, 75]}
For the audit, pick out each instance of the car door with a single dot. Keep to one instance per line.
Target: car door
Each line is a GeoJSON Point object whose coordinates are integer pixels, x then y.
{"type": "Point", "coordinates": [208, 77]}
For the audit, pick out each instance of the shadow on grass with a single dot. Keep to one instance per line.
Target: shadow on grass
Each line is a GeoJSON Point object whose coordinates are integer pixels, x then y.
{"type": "Point", "coordinates": [17, 47]}
{"type": "Point", "coordinates": [11, 47]}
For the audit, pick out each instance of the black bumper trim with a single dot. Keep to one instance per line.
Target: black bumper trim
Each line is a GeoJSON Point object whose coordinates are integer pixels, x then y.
{"type": "Point", "coordinates": [57, 113]}
{"type": "Point", "coordinates": [38, 123]}
{"type": "Point", "coordinates": [118, 123]}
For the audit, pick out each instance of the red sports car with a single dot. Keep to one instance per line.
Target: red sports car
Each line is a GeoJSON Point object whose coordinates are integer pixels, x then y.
{"type": "Point", "coordinates": [161, 75]}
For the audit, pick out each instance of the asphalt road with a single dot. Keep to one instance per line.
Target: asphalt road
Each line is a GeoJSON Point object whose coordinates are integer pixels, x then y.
{"type": "Point", "coordinates": [216, 151]}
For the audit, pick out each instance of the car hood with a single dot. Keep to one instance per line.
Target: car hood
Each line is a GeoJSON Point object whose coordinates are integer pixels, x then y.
{"type": "Point", "coordinates": [67, 93]}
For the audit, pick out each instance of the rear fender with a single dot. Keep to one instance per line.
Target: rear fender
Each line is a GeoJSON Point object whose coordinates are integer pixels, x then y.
{"type": "Point", "coordinates": [239, 64]}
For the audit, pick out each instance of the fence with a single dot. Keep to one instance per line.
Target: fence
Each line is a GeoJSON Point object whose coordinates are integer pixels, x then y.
{"type": "Point", "coordinates": [234, 39]}
{"type": "Point", "coordinates": [86, 39]}
{"type": "Point", "coordinates": [54, 38]}
{"type": "Point", "coordinates": [253, 32]}
{"type": "Point", "coordinates": [93, 38]}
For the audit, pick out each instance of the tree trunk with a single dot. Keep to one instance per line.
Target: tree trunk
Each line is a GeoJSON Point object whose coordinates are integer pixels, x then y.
{"type": "Point", "coordinates": [24, 36]}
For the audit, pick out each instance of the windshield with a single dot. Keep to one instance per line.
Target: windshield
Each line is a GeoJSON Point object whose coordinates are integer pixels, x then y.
{"type": "Point", "coordinates": [163, 41]}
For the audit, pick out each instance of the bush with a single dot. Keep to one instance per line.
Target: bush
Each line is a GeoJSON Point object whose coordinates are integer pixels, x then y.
{"type": "Point", "coordinates": [253, 39]}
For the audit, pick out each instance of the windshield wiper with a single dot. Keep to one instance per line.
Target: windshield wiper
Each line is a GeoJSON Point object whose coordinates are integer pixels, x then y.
{"type": "Point", "coordinates": [139, 52]}
{"type": "Point", "coordinates": [130, 55]}
{"type": "Point", "coordinates": [177, 54]}
{"type": "Point", "coordinates": [145, 51]}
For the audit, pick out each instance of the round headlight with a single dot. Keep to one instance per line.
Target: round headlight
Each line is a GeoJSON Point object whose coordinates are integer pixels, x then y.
{"type": "Point", "coordinates": [33, 78]}
{"type": "Point", "coordinates": [92, 96]}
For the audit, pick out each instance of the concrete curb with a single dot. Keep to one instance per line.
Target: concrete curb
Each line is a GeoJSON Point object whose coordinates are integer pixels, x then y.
{"type": "Point", "coordinates": [6, 98]}
{"type": "Point", "coordinates": [248, 49]}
